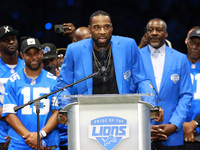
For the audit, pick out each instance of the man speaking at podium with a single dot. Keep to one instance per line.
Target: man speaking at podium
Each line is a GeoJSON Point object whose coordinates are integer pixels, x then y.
{"type": "Point", "coordinates": [120, 58]}
{"type": "Point", "coordinates": [117, 58]}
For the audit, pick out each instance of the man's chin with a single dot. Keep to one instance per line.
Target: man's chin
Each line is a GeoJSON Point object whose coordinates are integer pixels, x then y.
{"type": "Point", "coordinates": [155, 45]}
{"type": "Point", "coordinates": [105, 44]}
{"type": "Point", "coordinates": [194, 57]}
{"type": "Point", "coordinates": [10, 52]}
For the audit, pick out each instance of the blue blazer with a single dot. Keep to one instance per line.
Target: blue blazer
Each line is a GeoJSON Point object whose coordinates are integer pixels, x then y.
{"type": "Point", "coordinates": [175, 90]}
{"type": "Point", "coordinates": [129, 69]}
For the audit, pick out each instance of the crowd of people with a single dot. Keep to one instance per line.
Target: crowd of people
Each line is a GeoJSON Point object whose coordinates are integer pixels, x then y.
{"type": "Point", "coordinates": [38, 69]}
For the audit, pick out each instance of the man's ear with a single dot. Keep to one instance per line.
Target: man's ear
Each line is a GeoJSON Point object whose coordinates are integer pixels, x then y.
{"type": "Point", "coordinates": [22, 56]}
{"type": "Point", "coordinates": [166, 35]}
{"type": "Point", "coordinates": [111, 27]}
{"type": "Point", "coordinates": [90, 28]}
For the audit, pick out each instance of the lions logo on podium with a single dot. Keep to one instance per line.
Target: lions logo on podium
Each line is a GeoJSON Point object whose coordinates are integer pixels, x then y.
{"type": "Point", "coordinates": [109, 131]}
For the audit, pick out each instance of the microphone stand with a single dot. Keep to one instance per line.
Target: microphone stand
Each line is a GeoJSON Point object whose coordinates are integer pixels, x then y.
{"type": "Point", "coordinates": [37, 103]}
{"type": "Point", "coordinates": [155, 110]}
{"type": "Point", "coordinates": [37, 106]}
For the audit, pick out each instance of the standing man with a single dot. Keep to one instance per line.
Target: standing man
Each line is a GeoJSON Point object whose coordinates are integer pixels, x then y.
{"type": "Point", "coordinates": [124, 65]}
{"type": "Point", "coordinates": [50, 61]}
{"type": "Point", "coordinates": [191, 126]}
{"type": "Point", "coordinates": [191, 29]}
{"type": "Point", "coordinates": [61, 55]}
{"type": "Point", "coordinates": [125, 72]}
{"type": "Point", "coordinates": [9, 64]}
{"type": "Point", "coordinates": [169, 73]}
{"type": "Point", "coordinates": [25, 85]}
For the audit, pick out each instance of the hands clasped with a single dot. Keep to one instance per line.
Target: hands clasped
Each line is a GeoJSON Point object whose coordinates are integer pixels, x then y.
{"type": "Point", "coordinates": [31, 140]}
{"type": "Point", "coordinates": [188, 131]}
{"type": "Point", "coordinates": [161, 132]}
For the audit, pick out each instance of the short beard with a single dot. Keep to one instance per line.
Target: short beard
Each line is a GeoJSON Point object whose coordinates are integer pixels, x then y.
{"type": "Point", "coordinates": [34, 69]}
{"type": "Point", "coordinates": [101, 45]}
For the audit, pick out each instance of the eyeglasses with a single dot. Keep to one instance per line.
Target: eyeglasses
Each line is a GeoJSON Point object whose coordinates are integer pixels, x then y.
{"type": "Point", "coordinates": [105, 27]}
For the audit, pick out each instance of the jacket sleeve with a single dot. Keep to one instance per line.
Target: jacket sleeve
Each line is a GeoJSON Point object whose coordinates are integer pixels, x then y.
{"type": "Point", "coordinates": [140, 79]}
{"type": "Point", "coordinates": [66, 77]}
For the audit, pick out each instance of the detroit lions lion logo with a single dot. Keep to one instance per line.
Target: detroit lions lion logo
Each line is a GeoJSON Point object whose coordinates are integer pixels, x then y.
{"type": "Point", "coordinates": [175, 78]}
{"type": "Point", "coordinates": [127, 75]}
{"type": "Point", "coordinates": [46, 49]}
{"type": "Point", "coordinates": [109, 131]}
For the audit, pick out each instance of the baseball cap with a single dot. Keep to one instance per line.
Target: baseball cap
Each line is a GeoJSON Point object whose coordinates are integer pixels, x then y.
{"type": "Point", "coordinates": [195, 33]}
{"type": "Point", "coordinates": [49, 50]}
{"type": "Point", "coordinates": [61, 51]}
{"type": "Point", "coordinates": [30, 43]}
{"type": "Point", "coordinates": [7, 30]}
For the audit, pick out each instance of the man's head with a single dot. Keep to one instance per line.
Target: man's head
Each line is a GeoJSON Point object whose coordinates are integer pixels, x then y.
{"type": "Point", "coordinates": [101, 29]}
{"type": "Point", "coordinates": [156, 32]}
{"type": "Point", "coordinates": [61, 55]}
{"type": "Point", "coordinates": [195, 27]}
{"type": "Point", "coordinates": [32, 53]}
{"type": "Point", "coordinates": [81, 33]}
{"type": "Point", "coordinates": [8, 40]}
{"type": "Point", "coordinates": [49, 54]}
{"type": "Point", "coordinates": [193, 45]}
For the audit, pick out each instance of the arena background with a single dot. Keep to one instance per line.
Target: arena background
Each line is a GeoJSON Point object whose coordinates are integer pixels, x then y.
{"type": "Point", "coordinates": [129, 17]}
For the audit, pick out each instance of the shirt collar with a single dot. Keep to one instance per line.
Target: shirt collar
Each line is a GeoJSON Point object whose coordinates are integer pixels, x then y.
{"type": "Point", "coordinates": [161, 49]}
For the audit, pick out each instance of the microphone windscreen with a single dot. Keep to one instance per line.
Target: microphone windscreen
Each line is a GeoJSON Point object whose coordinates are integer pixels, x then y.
{"type": "Point", "coordinates": [102, 51]}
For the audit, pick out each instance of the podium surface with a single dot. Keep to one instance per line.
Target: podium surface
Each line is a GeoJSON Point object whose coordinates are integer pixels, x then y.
{"type": "Point", "coordinates": [108, 122]}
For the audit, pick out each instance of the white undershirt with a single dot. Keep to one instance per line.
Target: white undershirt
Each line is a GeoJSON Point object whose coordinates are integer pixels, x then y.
{"type": "Point", "coordinates": [158, 59]}
{"type": "Point", "coordinates": [11, 66]}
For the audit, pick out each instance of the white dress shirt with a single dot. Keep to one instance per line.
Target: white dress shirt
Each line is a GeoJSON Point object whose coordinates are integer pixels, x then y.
{"type": "Point", "coordinates": [158, 59]}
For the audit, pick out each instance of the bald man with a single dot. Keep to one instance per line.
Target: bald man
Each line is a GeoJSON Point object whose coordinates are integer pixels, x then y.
{"type": "Point", "coordinates": [169, 73]}
{"type": "Point", "coordinates": [81, 33]}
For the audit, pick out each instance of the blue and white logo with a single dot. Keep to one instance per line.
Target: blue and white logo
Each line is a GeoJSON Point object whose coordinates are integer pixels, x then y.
{"type": "Point", "coordinates": [127, 75]}
{"type": "Point", "coordinates": [175, 78]}
{"type": "Point", "coordinates": [109, 131]}
{"type": "Point", "coordinates": [46, 49]}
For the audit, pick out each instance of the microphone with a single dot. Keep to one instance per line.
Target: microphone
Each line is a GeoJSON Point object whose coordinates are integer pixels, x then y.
{"type": "Point", "coordinates": [156, 94]}
{"type": "Point", "coordinates": [155, 110]}
{"type": "Point", "coordinates": [102, 54]}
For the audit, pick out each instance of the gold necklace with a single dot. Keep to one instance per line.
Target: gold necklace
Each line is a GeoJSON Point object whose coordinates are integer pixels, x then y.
{"type": "Point", "coordinates": [31, 79]}
{"type": "Point", "coordinates": [108, 59]}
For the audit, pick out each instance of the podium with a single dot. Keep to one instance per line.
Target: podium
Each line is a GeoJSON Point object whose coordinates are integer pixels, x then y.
{"type": "Point", "coordinates": [109, 122]}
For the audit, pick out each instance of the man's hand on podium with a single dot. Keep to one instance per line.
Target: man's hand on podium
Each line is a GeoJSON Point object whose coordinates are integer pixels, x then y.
{"type": "Point", "coordinates": [62, 118]}
{"type": "Point", "coordinates": [159, 116]}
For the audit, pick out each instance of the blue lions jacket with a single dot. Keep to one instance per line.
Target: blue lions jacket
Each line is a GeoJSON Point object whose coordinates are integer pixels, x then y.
{"type": "Point", "coordinates": [129, 69]}
{"type": "Point", "coordinates": [175, 90]}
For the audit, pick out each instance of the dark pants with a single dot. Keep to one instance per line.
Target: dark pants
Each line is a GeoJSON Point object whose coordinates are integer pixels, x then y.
{"type": "Point", "coordinates": [2, 146]}
{"type": "Point", "coordinates": [157, 145]}
{"type": "Point", "coordinates": [191, 146]}
{"type": "Point", "coordinates": [63, 147]}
